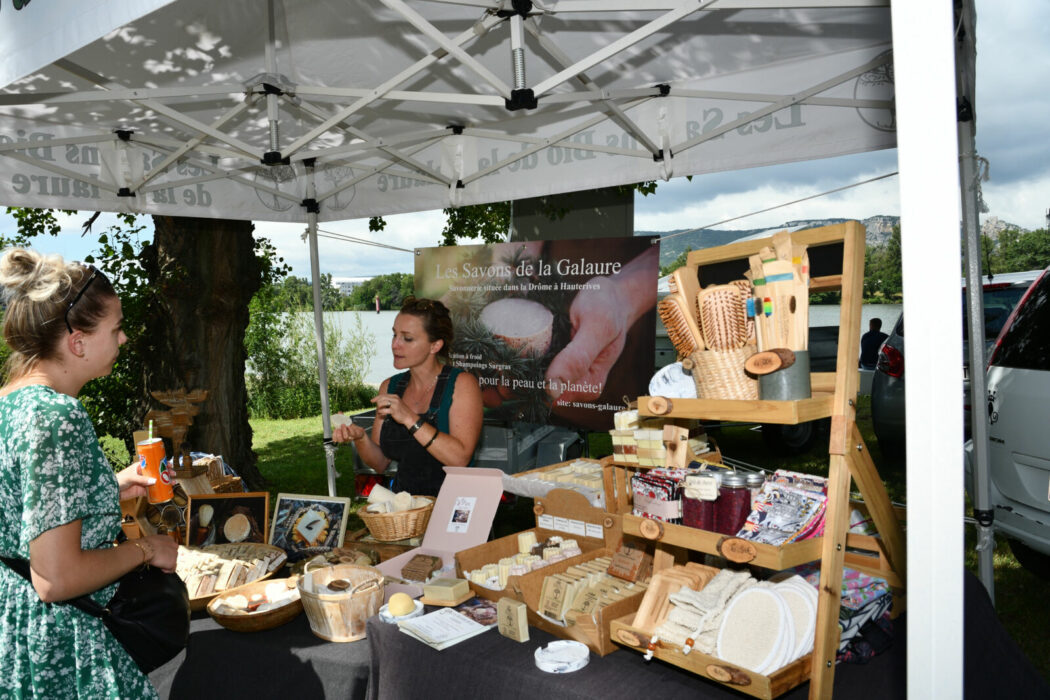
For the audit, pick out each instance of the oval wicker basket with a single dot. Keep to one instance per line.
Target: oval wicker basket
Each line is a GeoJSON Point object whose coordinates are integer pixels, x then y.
{"type": "Point", "coordinates": [390, 527]}
{"type": "Point", "coordinates": [255, 621]}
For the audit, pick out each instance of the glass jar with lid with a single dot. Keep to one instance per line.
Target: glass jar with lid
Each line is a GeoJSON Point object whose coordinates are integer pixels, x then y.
{"type": "Point", "coordinates": [755, 481]}
{"type": "Point", "coordinates": [733, 504]}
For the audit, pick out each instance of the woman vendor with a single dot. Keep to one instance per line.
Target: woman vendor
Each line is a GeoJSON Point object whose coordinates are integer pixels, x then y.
{"type": "Point", "coordinates": [428, 416]}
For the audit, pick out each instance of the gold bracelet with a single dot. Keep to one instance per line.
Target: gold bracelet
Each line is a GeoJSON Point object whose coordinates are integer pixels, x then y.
{"type": "Point", "coordinates": [147, 553]}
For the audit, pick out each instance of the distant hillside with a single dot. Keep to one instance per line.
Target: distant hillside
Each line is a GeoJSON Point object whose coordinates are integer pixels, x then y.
{"type": "Point", "coordinates": [878, 230]}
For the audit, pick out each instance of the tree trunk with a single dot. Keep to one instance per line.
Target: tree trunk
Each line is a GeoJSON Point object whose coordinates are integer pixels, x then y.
{"type": "Point", "coordinates": [204, 272]}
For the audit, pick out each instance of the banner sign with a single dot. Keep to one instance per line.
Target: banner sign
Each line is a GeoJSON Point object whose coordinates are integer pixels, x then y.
{"type": "Point", "coordinates": [556, 332]}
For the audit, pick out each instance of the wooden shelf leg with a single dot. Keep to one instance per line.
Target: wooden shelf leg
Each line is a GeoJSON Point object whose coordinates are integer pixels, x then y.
{"type": "Point", "coordinates": [879, 505]}
{"type": "Point", "coordinates": [826, 643]}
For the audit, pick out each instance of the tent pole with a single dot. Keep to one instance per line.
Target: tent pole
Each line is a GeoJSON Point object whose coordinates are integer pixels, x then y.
{"type": "Point", "coordinates": [970, 187]}
{"type": "Point", "coordinates": [322, 362]}
{"type": "Point", "coordinates": [928, 155]}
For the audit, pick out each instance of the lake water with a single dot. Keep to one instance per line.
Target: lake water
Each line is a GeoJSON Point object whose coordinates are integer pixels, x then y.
{"type": "Point", "coordinates": [379, 325]}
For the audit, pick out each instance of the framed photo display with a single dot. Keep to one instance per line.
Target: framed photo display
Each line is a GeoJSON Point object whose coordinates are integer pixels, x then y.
{"type": "Point", "coordinates": [306, 525]}
{"type": "Point", "coordinates": [218, 518]}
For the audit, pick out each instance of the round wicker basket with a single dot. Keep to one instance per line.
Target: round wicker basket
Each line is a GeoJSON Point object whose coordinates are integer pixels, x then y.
{"type": "Point", "coordinates": [390, 527]}
{"type": "Point", "coordinates": [719, 374]}
{"type": "Point", "coordinates": [255, 621]}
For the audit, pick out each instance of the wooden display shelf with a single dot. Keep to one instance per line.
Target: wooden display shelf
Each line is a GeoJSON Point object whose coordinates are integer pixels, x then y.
{"type": "Point", "coordinates": [748, 411]}
{"type": "Point", "coordinates": [740, 679]}
{"type": "Point", "coordinates": [766, 556]}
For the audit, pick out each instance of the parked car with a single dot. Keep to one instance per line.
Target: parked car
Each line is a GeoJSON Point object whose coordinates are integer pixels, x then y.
{"type": "Point", "coordinates": [1001, 294]}
{"type": "Point", "coordinates": [1019, 429]}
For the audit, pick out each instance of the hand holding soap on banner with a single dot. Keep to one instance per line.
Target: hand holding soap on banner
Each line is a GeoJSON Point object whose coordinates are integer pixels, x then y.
{"type": "Point", "coordinates": [555, 331]}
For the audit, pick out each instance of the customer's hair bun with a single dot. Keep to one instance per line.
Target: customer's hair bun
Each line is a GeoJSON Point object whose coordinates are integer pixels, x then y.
{"type": "Point", "coordinates": [31, 274]}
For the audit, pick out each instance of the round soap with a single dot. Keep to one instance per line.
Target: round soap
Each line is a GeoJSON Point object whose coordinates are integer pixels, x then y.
{"type": "Point", "coordinates": [400, 604]}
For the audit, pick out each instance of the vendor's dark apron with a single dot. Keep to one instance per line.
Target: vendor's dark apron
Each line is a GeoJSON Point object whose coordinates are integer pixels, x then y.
{"type": "Point", "coordinates": [417, 471]}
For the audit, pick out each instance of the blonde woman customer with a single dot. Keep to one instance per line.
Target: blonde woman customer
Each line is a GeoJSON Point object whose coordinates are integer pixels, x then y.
{"type": "Point", "coordinates": [59, 498]}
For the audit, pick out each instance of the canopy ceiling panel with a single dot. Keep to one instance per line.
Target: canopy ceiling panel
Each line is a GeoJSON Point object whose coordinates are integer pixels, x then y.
{"type": "Point", "coordinates": [226, 109]}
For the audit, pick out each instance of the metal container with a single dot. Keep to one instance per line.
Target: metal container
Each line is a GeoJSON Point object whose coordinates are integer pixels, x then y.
{"type": "Point", "coordinates": [789, 384]}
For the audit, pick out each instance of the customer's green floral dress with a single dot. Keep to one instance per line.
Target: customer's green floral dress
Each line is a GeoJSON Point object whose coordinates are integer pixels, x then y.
{"type": "Point", "coordinates": [53, 472]}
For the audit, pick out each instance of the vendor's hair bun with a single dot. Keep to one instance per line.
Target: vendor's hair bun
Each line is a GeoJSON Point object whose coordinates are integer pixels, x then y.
{"type": "Point", "coordinates": [31, 274]}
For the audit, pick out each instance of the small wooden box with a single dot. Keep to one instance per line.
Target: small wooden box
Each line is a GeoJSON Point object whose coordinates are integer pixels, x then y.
{"type": "Point", "coordinates": [592, 630]}
{"type": "Point", "coordinates": [140, 525]}
{"type": "Point", "coordinates": [561, 512]}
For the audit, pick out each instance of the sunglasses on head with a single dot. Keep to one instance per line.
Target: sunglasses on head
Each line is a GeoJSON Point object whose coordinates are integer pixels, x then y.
{"type": "Point", "coordinates": [94, 273]}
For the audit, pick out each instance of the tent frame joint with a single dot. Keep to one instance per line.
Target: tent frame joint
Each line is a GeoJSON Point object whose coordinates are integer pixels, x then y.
{"type": "Point", "coordinates": [275, 158]}
{"type": "Point", "coordinates": [522, 8]}
{"type": "Point", "coordinates": [524, 98]}
{"type": "Point", "coordinates": [311, 205]}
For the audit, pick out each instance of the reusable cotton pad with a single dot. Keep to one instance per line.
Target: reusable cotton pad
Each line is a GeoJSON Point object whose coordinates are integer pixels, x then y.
{"type": "Point", "coordinates": [752, 625]}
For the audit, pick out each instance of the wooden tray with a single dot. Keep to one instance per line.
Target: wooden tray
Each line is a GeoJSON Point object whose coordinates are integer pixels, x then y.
{"type": "Point", "coordinates": [764, 555]}
{"type": "Point", "coordinates": [755, 684]}
{"type": "Point", "coordinates": [225, 551]}
{"type": "Point", "coordinates": [256, 621]}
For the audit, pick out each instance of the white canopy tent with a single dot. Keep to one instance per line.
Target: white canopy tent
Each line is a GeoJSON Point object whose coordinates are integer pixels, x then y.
{"type": "Point", "coordinates": [322, 110]}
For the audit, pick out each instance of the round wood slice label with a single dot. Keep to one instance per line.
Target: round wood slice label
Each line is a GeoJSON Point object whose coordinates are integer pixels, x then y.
{"type": "Point", "coordinates": [651, 529]}
{"type": "Point", "coordinates": [629, 638]}
{"type": "Point", "coordinates": [762, 363]}
{"type": "Point", "coordinates": [728, 674]}
{"type": "Point", "coordinates": [660, 405]}
{"type": "Point", "coordinates": [737, 550]}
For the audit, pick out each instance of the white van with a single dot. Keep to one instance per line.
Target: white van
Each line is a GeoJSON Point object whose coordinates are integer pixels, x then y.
{"type": "Point", "coordinates": [1019, 429]}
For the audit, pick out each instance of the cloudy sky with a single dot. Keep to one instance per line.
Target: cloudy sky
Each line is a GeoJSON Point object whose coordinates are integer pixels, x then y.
{"type": "Point", "coordinates": [1013, 133]}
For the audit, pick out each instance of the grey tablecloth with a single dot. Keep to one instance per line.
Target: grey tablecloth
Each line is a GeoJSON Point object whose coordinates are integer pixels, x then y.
{"type": "Point", "coordinates": [285, 662]}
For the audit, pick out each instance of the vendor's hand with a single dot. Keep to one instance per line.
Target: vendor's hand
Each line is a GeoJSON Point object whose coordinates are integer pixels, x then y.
{"type": "Point", "coordinates": [391, 406]}
{"type": "Point", "coordinates": [165, 552]}
{"type": "Point", "coordinates": [600, 321]}
{"type": "Point", "coordinates": [348, 432]}
{"type": "Point", "coordinates": [132, 482]}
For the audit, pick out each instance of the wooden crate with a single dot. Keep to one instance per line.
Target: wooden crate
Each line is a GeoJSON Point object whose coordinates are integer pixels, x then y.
{"type": "Point", "coordinates": [593, 630]}
{"type": "Point", "coordinates": [492, 552]}
{"type": "Point", "coordinates": [732, 548]}
{"type": "Point", "coordinates": [755, 684]}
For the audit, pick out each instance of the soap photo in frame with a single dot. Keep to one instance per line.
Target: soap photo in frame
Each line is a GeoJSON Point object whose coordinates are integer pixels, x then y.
{"type": "Point", "coordinates": [219, 518]}
{"type": "Point", "coordinates": [305, 525]}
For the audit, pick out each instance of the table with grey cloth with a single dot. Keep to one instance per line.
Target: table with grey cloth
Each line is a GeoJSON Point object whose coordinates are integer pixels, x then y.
{"type": "Point", "coordinates": [490, 665]}
{"type": "Point", "coordinates": [388, 665]}
{"type": "Point", "coordinates": [286, 662]}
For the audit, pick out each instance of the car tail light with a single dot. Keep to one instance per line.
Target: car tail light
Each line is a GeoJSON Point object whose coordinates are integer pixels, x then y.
{"type": "Point", "coordinates": [891, 361]}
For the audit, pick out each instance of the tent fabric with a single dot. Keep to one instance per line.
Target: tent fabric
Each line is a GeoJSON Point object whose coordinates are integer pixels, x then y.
{"type": "Point", "coordinates": [399, 106]}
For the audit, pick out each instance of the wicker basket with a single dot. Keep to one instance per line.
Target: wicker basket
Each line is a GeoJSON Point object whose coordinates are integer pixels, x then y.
{"type": "Point", "coordinates": [341, 616]}
{"type": "Point", "coordinates": [227, 484]}
{"type": "Point", "coordinates": [719, 374]}
{"type": "Point", "coordinates": [390, 527]}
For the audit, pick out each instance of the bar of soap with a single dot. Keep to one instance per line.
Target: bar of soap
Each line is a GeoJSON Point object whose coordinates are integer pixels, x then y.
{"type": "Point", "coordinates": [446, 589]}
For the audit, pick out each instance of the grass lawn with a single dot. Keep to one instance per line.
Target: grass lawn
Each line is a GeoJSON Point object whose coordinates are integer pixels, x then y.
{"type": "Point", "coordinates": [291, 458]}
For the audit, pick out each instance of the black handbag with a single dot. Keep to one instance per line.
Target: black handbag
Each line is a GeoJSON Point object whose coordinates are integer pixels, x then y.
{"type": "Point", "coordinates": [149, 614]}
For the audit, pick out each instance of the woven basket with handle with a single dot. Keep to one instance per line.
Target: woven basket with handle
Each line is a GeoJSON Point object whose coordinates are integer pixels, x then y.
{"type": "Point", "coordinates": [402, 525]}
